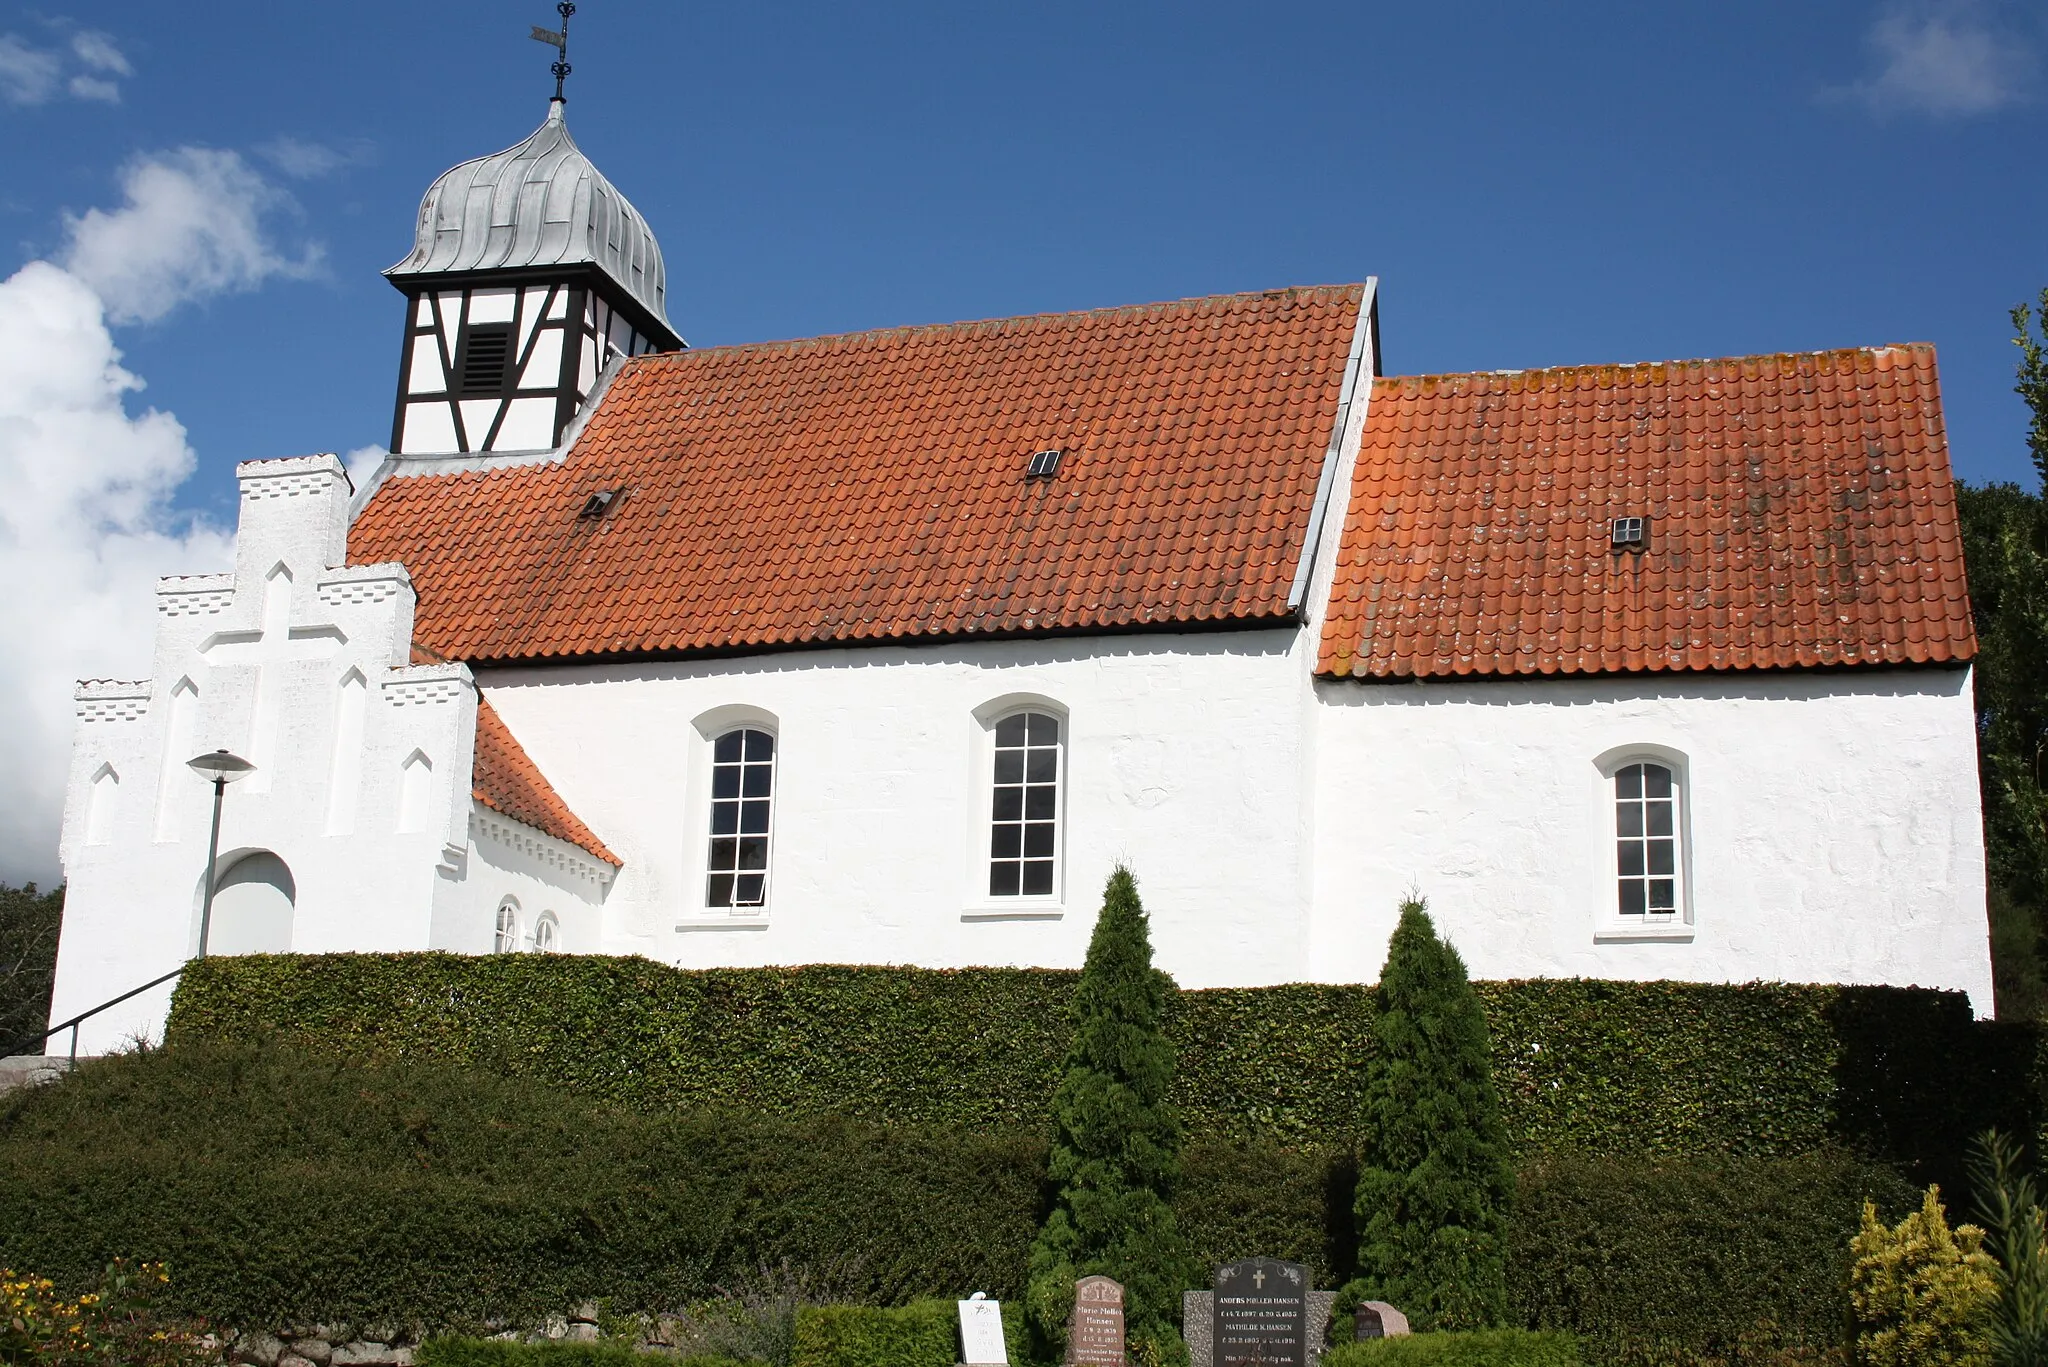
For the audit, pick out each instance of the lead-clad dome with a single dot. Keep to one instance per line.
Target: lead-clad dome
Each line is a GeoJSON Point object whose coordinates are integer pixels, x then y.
{"type": "Point", "coordinates": [538, 204]}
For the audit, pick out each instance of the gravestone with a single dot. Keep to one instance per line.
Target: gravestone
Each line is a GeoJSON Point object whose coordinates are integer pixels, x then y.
{"type": "Point", "coordinates": [1095, 1336]}
{"type": "Point", "coordinates": [1378, 1320]}
{"type": "Point", "coordinates": [1259, 1315]}
{"type": "Point", "coordinates": [1198, 1316]}
{"type": "Point", "coordinates": [981, 1332]}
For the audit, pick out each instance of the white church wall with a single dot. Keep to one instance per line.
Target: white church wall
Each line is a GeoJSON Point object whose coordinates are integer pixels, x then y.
{"type": "Point", "coordinates": [303, 664]}
{"type": "Point", "coordinates": [541, 877]}
{"type": "Point", "coordinates": [1178, 762]}
{"type": "Point", "coordinates": [1831, 824]}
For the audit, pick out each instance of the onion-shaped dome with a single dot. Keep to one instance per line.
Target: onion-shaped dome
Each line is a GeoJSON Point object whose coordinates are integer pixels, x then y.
{"type": "Point", "coordinates": [540, 203]}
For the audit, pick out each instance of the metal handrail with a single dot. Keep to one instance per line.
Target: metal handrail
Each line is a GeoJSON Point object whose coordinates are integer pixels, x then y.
{"type": "Point", "coordinates": [15, 1047]}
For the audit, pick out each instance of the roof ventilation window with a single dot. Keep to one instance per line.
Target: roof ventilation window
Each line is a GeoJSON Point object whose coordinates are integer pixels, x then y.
{"type": "Point", "coordinates": [1044, 465]}
{"type": "Point", "coordinates": [595, 505]}
{"type": "Point", "coordinates": [1629, 533]}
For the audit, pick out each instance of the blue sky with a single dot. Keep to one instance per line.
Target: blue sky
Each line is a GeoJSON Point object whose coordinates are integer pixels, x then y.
{"type": "Point", "coordinates": [210, 193]}
{"type": "Point", "coordinates": [1533, 185]}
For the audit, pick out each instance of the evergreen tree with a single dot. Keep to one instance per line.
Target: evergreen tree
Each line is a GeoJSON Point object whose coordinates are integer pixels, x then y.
{"type": "Point", "coordinates": [1434, 1182]}
{"type": "Point", "coordinates": [1116, 1144]}
{"type": "Point", "coordinates": [2005, 548]}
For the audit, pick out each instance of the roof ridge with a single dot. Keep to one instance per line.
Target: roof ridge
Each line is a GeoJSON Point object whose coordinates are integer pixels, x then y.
{"type": "Point", "coordinates": [1683, 361]}
{"type": "Point", "coordinates": [902, 329]}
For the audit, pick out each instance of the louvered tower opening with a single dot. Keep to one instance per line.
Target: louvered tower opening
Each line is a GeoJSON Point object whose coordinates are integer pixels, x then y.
{"type": "Point", "coordinates": [485, 352]}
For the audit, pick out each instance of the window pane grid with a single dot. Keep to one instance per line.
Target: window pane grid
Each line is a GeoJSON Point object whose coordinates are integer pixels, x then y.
{"type": "Point", "coordinates": [1024, 813]}
{"type": "Point", "coordinates": [742, 798]}
{"type": "Point", "coordinates": [1646, 840]}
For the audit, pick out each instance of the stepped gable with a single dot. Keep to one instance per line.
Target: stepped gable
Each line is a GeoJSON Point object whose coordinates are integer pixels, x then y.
{"type": "Point", "coordinates": [504, 779]}
{"type": "Point", "coordinates": [1800, 508]}
{"type": "Point", "coordinates": [872, 487]}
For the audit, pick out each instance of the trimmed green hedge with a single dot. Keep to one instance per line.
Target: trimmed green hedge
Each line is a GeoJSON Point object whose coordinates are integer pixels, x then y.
{"type": "Point", "coordinates": [1652, 1067]}
{"type": "Point", "coordinates": [467, 1352]}
{"type": "Point", "coordinates": [284, 1188]}
{"type": "Point", "coordinates": [1478, 1348]}
{"type": "Point", "coordinates": [1695, 1261]}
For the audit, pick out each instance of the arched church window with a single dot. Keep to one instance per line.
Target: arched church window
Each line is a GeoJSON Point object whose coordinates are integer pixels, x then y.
{"type": "Point", "coordinates": [742, 818]}
{"type": "Point", "coordinates": [547, 934]}
{"type": "Point", "coordinates": [1024, 818]}
{"type": "Point", "coordinates": [1648, 849]}
{"type": "Point", "coordinates": [506, 940]}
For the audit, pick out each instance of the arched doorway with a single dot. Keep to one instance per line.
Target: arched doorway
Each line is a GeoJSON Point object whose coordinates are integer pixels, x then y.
{"type": "Point", "coordinates": [252, 907]}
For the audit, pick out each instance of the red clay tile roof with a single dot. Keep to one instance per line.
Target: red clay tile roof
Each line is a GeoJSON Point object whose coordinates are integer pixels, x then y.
{"type": "Point", "coordinates": [1800, 507]}
{"type": "Point", "coordinates": [506, 781]}
{"type": "Point", "coordinates": [871, 487]}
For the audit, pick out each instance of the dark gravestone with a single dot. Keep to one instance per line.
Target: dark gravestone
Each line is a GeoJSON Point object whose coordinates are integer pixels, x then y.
{"type": "Point", "coordinates": [1260, 1315]}
{"type": "Point", "coordinates": [1095, 1336]}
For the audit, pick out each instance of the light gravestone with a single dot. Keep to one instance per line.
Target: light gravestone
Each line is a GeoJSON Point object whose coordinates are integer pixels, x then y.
{"type": "Point", "coordinates": [1095, 1336]}
{"type": "Point", "coordinates": [981, 1332]}
{"type": "Point", "coordinates": [1379, 1320]}
{"type": "Point", "coordinates": [1259, 1315]}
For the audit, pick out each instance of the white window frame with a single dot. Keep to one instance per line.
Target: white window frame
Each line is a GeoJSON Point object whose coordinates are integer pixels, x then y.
{"type": "Point", "coordinates": [1609, 922]}
{"type": "Point", "coordinates": [547, 933]}
{"type": "Point", "coordinates": [695, 841]}
{"type": "Point", "coordinates": [980, 903]}
{"type": "Point", "coordinates": [504, 937]}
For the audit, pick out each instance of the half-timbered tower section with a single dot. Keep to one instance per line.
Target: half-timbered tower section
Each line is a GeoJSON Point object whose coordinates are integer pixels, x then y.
{"type": "Point", "coordinates": [530, 273]}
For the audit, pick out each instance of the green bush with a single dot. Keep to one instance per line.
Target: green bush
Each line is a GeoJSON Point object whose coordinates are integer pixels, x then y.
{"type": "Point", "coordinates": [469, 1352]}
{"type": "Point", "coordinates": [285, 1188]}
{"type": "Point", "coordinates": [289, 1188]}
{"type": "Point", "coordinates": [921, 1334]}
{"type": "Point", "coordinates": [1476, 1348]}
{"type": "Point", "coordinates": [1434, 1181]}
{"type": "Point", "coordinates": [1647, 1068]}
{"type": "Point", "coordinates": [1703, 1260]}
{"type": "Point", "coordinates": [1115, 1154]}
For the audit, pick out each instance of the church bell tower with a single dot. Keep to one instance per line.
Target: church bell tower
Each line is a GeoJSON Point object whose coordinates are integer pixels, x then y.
{"type": "Point", "coordinates": [529, 274]}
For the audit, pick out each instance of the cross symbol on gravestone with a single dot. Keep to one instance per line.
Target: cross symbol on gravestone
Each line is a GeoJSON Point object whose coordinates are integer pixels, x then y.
{"type": "Point", "coordinates": [276, 642]}
{"type": "Point", "coordinates": [1259, 1279]}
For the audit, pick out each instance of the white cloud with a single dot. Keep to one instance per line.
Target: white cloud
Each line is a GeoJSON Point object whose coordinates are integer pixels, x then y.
{"type": "Point", "coordinates": [196, 223]}
{"type": "Point", "coordinates": [86, 485]}
{"type": "Point", "coordinates": [86, 525]}
{"type": "Point", "coordinates": [1942, 57]}
{"type": "Point", "coordinates": [28, 75]}
{"type": "Point", "coordinates": [31, 75]}
{"type": "Point", "coordinates": [303, 160]}
{"type": "Point", "coordinates": [97, 51]}
{"type": "Point", "coordinates": [362, 463]}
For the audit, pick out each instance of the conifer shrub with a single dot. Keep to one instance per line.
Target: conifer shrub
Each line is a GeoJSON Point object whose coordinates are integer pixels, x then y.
{"type": "Point", "coordinates": [1434, 1179]}
{"type": "Point", "coordinates": [1920, 1290]}
{"type": "Point", "coordinates": [2009, 1201]}
{"type": "Point", "coordinates": [1115, 1155]}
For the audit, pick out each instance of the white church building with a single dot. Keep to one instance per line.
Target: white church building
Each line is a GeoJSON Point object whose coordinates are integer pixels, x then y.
{"type": "Point", "coordinates": [887, 647]}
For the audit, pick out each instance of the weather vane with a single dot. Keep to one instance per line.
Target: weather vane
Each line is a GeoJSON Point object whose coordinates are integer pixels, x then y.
{"type": "Point", "coordinates": [559, 42]}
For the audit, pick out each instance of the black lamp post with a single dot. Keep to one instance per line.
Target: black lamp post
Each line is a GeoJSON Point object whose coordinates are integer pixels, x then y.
{"type": "Point", "coordinates": [222, 768]}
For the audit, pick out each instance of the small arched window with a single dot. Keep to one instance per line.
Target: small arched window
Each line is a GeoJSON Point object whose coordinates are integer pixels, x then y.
{"type": "Point", "coordinates": [742, 818]}
{"type": "Point", "coordinates": [506, 938]}
{"type": "Point", "coordinates": [1648, 852]}
{"type": "Point", "coordinates": [547, 934]}
{"type": "Point", "coordinates": [1024, 815]}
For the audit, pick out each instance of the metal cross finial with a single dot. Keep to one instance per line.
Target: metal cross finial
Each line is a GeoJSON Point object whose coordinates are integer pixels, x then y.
{"type": "Point", "coordinates": [560, 42]}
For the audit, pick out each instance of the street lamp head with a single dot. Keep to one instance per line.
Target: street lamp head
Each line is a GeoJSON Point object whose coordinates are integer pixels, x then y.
{"type": "Point", "coordinates": [218, 766]}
